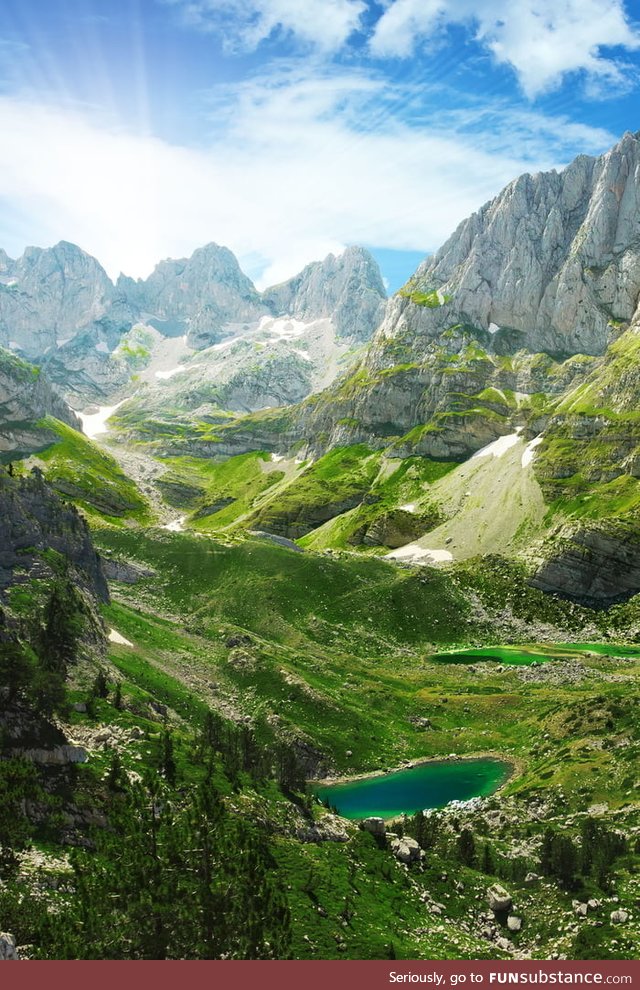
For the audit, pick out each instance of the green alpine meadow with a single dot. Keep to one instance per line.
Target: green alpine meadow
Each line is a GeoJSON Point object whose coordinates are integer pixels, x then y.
{"type": "Point", "coordinates": [320, 592]}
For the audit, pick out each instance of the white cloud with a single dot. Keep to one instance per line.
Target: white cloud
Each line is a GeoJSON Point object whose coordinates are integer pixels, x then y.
{"type": "Point", "coordinates": [542, 40]}
{"type": "Point", "coordinates": [300, 165]}
{"type": "Point", "coordinates": [244, 24]}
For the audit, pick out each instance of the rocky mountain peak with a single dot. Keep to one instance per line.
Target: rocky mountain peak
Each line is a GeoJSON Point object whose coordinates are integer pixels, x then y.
{"type": "Point", "coordinates": [554, 257]}
{"type": "Point", "coordinates": [50, 295]}
{"type": "Point", "coordinates": [348, 288]}
{"type": "Point", "coordinates": [198, 295]}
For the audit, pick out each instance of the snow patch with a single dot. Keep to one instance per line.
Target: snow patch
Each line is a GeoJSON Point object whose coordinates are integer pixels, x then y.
{"type": "Point", "coordinates": [176, 525]}
{"type": "Point", "coordinates": [282, 327]}
{"type": "Point", "coordinates": [528, 452]}
{"type": "Point", "coordinates": [413, 553]}
{"type": "Point", "coordinates": [499, 446]}
{"type": "Point", "coordinates": [102, 347]}
{"type": "Point", "coordinates": [277, 457]}
{"type": "Point", "coordinates": [302, 354]}
{"type": "Point", "coordinates": [95, 423]}
{"type": "Point", "coordinates": [493, 328]}
{"type": "Point", "coordinates": [164, 375]}
{"type": "Point", "coordinates": [409, 507]}
{"type": "Point", "coordinates": [115, 637]}
{"type": "Point", "coordinates": [61, 343]}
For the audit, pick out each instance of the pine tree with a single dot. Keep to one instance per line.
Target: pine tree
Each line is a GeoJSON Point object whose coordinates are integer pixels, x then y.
{"type": "Point", "coordinates": [487, 864]}
{"type": "Point", "coordinates": [167, 761]}
{"type": "Point", "coordinates": [466, 847]}
{"type": "Point", "coordinates": [116, 775]}
{"type": "Point", "coordinates": [100, 687]}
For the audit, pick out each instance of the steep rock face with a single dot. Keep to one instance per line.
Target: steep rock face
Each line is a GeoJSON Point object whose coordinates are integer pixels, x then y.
{"type": "Point", "coordinates": [392, 529]}
{"type": "Point", "coordinates": [554, 257]}
{"type": "Point", "coordinates": [59, 309]}
{"type": "Point", "coordinates": [197, 295]}
{"type": "Point", "coordinates": [48, 295]}
{"type": "Point", "coordinates": [596, 565]}
{"type": "Point", "coordinates": [26, 397]}
{"type": "Point", "coordinates": [348, 289]}
{"type": "Point", "coordinates": [542, 276]}
{"type": "Point", "coordinates": [592, 439]}
{"type": "Point", "coordinates": [33, 523]}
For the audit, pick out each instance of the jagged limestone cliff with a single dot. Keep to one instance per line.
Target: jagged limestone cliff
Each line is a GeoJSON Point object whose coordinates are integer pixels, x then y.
{"type": "Point", "coordinates": [26, 399]}
{"type": "Point", "coordinates": [39, 533]}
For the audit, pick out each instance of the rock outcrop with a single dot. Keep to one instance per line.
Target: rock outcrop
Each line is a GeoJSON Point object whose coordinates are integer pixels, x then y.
{"type": "Point", "coordinates": [34, 525]}
{"type": "Point", "coordinates": [125, 571]}
{"type": "Point", "coordinates": [375, 826]}
{"type": "Point", "coordinates": [8, 948]}
{"type": "Point", "coordinates": [498, 898]}
{"type": "Point", "coordinates": [348, 289]}
{"type": "Point", "coordinates": [548, 270]}
{"type": "Point", "coordinates": [406, 849]}
{"type": "Point", "coordinates": [197, 296]}
{"type": "Point", "coordinates": [26, 398]}
{"type": "Point", "coordinates": [554, 257]}
{"type": "Point", "coordinates": [596, 565]}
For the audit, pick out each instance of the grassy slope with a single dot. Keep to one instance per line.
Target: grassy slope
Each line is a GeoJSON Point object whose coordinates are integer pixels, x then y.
{"type": "Point", "coordinates": [83, 472]}
{"type": "Point", "coordinates": [341, 648]}
{"type": "Point", "coordinates": [594, 439]}
{"type": "Point", "coordinates": [342, 652]}
{"type": "Point", "coordinates": [493, 505]}
{"type": "Point", "coordinates": [244, 482]}
{"type": "Point", "coordinates": [399, 482]}
{"type": "Point", "coordinates": [486, 505]}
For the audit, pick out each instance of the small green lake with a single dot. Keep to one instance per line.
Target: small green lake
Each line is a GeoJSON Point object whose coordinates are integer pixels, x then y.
{"type": "Point", "coordinates": [522, 656]}
{"type": "Point", "coordinates": [429, 785]}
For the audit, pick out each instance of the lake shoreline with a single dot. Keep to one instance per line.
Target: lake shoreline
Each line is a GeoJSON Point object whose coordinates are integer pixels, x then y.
{"type": "Point", "coordinates": [515, 763]}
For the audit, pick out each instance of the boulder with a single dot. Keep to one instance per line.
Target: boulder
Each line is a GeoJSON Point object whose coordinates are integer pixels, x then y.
{"type": "Point", "coordinates": [125, 571]}
{"type": "Point", "coordinates": [514, 924]}
{"type": "Point", "coordinates": [406, 850]}
{"type": "Point", "coordinates": [8, 946]}
{"type": "Point", "coordinates": [619, 917]}
{"type": "Point", "coordinates": [374, 825]}
{"type": "Point", "coordinates": [498, 898]}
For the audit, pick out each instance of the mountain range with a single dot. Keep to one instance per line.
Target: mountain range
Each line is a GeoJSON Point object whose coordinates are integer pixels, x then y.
{"type": "Point", "coordinates": [252, 538]}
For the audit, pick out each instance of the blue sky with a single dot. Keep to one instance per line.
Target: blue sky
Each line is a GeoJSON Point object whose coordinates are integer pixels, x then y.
{"type": "Point", "coordinates": [285, 129]}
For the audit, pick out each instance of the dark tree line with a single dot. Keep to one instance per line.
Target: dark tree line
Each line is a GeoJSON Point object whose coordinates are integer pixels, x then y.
{"type": "Point", "coordinates": [173, 876]}
{"type": "Point", "coordinates": [33, 670]}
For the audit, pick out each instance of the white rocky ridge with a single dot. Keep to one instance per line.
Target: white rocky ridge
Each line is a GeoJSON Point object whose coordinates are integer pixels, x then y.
{"type": "Point", "coordinates": [59, 308]}
{"type": "Point", "coordinates": [554, 257]}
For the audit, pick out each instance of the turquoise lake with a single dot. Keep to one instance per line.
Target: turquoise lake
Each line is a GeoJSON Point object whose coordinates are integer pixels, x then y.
{"type": "Point", "coordinates": [430, 785]}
